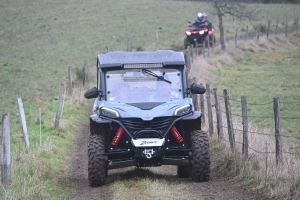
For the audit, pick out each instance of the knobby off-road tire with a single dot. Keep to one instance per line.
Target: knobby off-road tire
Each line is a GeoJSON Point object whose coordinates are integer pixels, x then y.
{"type": "Point", "coordinates": [201, 156]}
{"type": "Point", "coordinates": [206, 41]}
{"type": "Point", "coordinates": [212, 40]}
{"type": "Point", "coordinates": [97, 170]}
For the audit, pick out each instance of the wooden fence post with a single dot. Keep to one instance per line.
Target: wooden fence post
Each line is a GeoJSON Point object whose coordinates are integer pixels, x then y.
{"type": "Point", "coordinates": [195, 96]}
{"type": "Point", "coordinates": [245, 126]}
{"type": "Point", "coordinates": [219, 116]}
{"type": "Point", "coordinates": [59, 106]}
{"type": "Point", "coordinates": [213, 43]}
{"type": "Point", "coordinates": [106, 49]}
{"type": "Point", "coordinates": [276, 26]}
{"type": "Point", "coordinates": [157, 39]}
{"type": "Point", "coordinates": [234, 24]}
{"type": "Point", "coordinates": [5, 164]}
{"type": "Point", "coordinates": [192, 53]}
{"type": "Point", "coordinates": [269, 22]}
{"type": "Point", "coordinates": [278, 132]}
{"type": "Point", "coordinates": [297, 25]}
{"type": "Point", "coordinates": [286, 26]}
{"type": "Point", "coordinates": [229, 121]}
{"type": "Point", "coordinates": [84, 73]}
{"type": "Point", "coordinates": [202, 107]}
{"type": "Point", "coordinates": [204, 48]}
{"type": "Point", "coordinates": [128, 45]}
{"type": "Point", "coordinates": [257, 34]}
{"type": "Point", "coordinates": [209, 112]}
{"type": "Point", "coordinates": [235, 38]}
{"type": "Point", "coordinates": [23, 119]}
{"type": "Point", "coordinates": [207, 48]}
{"type": "Point", "coordinates": [70, 80]}
{"type": "Point", "coordinates": [188, 61]}
{"type": "Point", "coordinates": [295, 19]}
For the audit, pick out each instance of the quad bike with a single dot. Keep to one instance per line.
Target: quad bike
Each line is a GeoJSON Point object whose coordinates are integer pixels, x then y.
{"type": "Point", "coordinates": [199, 34]}
{"type": "Point", "coordinates": [143, 130]}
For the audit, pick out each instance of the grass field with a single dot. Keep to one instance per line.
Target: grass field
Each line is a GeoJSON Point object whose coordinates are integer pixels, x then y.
{"type": "Point", "coordinates": [280, 66]}
{"type": "Point", "coordinates": [39, 39]}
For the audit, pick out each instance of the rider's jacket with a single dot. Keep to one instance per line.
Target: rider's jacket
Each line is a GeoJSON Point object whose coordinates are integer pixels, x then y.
{"type": "Point", "coordinates": [202, 23]}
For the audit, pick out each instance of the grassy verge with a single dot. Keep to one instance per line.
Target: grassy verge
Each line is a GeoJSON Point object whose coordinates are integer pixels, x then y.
{"type": "Point", "coordinates": [260, 70]}
{"type": "Point", "coordinates": [42, 173]}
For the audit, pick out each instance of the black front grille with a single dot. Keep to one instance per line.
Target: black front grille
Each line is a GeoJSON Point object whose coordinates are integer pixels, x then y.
{"type": "Point", "coordinates": [148, 134]}
{"type": "Point", "coordinates": [133, 124]}
{"type": "Point", "coordinates": [159, 124]}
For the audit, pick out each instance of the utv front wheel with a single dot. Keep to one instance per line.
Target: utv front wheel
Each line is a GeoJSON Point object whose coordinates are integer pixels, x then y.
{"type": "Point", "coordinates": [201, 157]}
{"type": "Point", "coordinates": [97, 169]}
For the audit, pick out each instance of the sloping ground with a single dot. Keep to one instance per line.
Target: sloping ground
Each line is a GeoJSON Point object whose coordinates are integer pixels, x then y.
{"type": "Point", "coordinates": [151, 183]}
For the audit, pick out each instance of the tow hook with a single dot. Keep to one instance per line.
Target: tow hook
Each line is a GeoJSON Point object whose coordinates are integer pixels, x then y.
{"type": "Point", "coordinates": [148, 153]}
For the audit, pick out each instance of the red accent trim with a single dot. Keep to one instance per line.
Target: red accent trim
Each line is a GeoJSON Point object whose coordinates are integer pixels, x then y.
{"type": "Point", "coordinates": [118, 136]}
{"type": "Point", "coordinates": [176, 134]}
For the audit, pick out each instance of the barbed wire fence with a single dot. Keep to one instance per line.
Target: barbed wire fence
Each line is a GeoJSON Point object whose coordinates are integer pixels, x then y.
{"type": "Point", "coordinates": [234, 128]}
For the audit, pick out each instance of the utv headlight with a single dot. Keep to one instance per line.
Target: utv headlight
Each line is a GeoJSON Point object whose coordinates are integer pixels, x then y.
{"type": "Point", "coordinates": [201, 32]}
{"type": "Point", "coordinates": [108, 112]}
{"type": "Point", "coordinates": [183, 110]}
{"type": "Point", "coordinates": [188, 32]}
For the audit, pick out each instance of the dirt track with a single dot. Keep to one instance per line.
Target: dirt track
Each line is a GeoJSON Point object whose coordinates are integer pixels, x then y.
{"type": "Point", "coordinates": [221, 186]}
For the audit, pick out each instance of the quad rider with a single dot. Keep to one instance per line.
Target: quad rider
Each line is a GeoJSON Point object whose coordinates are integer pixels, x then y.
{"type": "Point", "coordinates": [202, 21]}
{"type": "Point", "coordinates": [199, 32]}
{"type": "Point", "coordinates": [205, 22]}
{"type": "Point", "coordinates": [198, 21]}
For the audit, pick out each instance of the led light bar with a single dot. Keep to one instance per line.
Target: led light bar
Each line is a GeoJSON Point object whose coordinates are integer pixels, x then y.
{"type": "Point", "coordinates": [143, 65]}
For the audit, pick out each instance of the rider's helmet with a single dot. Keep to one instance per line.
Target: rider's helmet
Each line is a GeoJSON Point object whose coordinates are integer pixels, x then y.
{"type": "Point", "coordinates": [204, 16]}
{"type": "Point", "coordinates": [199, 16]}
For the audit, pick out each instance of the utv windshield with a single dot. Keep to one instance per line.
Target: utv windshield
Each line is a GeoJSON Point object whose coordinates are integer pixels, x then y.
{"type": "Point", "coordinates": [144, 85]}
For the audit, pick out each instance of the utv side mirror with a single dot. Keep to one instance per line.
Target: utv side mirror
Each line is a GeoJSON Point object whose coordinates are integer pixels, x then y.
{"type": "Point", "coordinates": [91, 93]}
{"type": "Point", "coordinates": [197, 89]}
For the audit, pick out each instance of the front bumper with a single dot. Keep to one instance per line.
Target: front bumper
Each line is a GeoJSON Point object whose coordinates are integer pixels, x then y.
{"type": "Point", "coordinates": [196, 38]}
{"type": "Point", "coordinates": [150, 157]}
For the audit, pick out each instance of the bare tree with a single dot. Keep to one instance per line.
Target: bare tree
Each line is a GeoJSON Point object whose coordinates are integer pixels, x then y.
{"type": "Point", "coordinates": [236, 8]}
